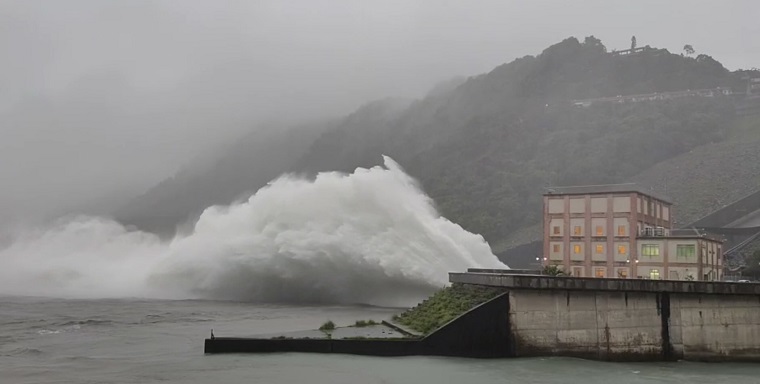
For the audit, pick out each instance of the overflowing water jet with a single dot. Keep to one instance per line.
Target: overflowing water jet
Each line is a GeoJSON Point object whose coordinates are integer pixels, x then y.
{"type": "Point", "coordinates": [369, 237]}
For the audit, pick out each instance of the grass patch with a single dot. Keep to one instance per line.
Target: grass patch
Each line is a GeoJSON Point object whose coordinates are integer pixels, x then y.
{"type": "Point", "coordinates": [444, 306]}
{"type": "Point", "coordinates": [328, 326]}
{"type": "Point", "coordinates": [363, 323]}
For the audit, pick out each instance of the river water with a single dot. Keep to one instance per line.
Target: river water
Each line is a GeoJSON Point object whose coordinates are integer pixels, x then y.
{"type": "Point", "coordinates": [46, 340]}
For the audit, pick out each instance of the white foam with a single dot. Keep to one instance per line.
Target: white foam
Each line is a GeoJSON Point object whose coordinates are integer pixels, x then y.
{"type": "Point", "coordinates": [367, 237]}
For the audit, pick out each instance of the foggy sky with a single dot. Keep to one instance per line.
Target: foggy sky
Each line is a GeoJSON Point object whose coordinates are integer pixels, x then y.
{"type": "Point", "coordinates": [105, 98]}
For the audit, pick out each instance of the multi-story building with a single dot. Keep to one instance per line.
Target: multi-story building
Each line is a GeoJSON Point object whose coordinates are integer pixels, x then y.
{"type": "Point", "coordinates": [623, 231]}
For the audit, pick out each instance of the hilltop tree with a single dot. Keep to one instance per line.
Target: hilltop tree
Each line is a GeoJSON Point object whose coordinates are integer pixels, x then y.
{"type": "Point", "coordinates": [688, 49]}
{"type": "Point", "coordinates": [633, 42]}
{"type": "Point", "coordinates": [593, 42]}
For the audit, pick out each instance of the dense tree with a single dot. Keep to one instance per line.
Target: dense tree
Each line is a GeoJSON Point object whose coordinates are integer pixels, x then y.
{"type": "Point", "coordinates": [688, 49]}
{"type": "Point", "coordinates": [633, 42]}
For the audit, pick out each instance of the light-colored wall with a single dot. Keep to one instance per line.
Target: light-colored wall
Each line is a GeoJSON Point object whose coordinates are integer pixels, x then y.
{"type": "Point", "coordinates": [584, 323]}
{"type": "Point", "coordinates": [556, 223]}
{"type": "Point", "coordinates": [598, 204]}
{"type": "Point", "coordinates": [577, 223]}
{"type": "Point", "coordinates": [651, 259]}
{"type": "Point", "coordinates": [629, 325]}
{"type": "Point", "coordinates": [556, 205]}
{"type": "Point", "coordinates": [558, 255]}
{"type": "Point", "coordinates": [598, 223]}
{"type": "Point", "coordinates": [682, 273]}
{"type": "Point", "coordinates": [646, 272]}
{"type": "Point", "coordinates": [618, 255]}
{"type": "Point", "coordinates": [673, 251]}
{"type": "Point", "coordinates": [577, 205]}
{"type": "Point", "coordinates": [577, 256]}
{"type": "Point", "coordinates": [716, 327]}
{"type": "Point", "coordinates": [596, 256]}
{"type": "Point", "coordinates": [621, 204]}
{"type": "Point", "coordinates": [618, 221]}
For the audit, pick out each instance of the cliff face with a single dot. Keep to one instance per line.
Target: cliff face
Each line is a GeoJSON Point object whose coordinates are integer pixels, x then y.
{"type": "Point", "coordinates": [483, 148]}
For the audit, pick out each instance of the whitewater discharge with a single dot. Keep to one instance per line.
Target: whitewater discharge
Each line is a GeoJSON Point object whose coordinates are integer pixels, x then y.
{"type": "Point", "coordinates": [370, 237]}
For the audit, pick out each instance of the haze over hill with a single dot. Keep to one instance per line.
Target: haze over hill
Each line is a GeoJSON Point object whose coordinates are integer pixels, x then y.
{"type": "Point", "coordinates": [484, 147]}
{"type": "Point", "coordinates": [103, 99]}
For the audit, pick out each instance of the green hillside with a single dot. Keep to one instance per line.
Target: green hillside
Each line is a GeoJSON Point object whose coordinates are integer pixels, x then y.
{"type": "Point", "coordinates": [485, 150]}
{"type": "Point", "coordinates": [485, 147]}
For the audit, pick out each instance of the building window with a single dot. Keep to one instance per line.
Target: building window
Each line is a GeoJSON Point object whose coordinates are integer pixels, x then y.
{"type": "Point", "coordinates": [577, 230]}
{"type": "Point", "coordinates": [621, 230]}
{"type": "Point", "coordinates": [622, 273]}
{"type": "Point", "coordinates": [650, 250]}
{"type": "Point", "coordinates": [577, 249]}
{"type": "Point", "coordinates": [555, 247]}
{"type": "Point", "coordinates": [600, 272]}
{"type": "Point", "coordinates": [622, 250]}
{"type": "Point", "coordinates": [578, 271]}
{"type": "Point", "coordinates": [599, 230]}
{"type": "Point", "coordinates": [599, 248]}
{"type": "Point", "coordinates": [685, 251]}
{"type": "Point", "coordinates": [674, 275]}
{"type": "Point", "coordinates": [555, 230]}
{"type": "Point", "coordinates": [654, 274]}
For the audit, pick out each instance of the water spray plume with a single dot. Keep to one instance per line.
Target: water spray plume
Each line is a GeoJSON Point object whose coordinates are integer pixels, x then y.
{"type": "Point", "coordinates": [368, 237]}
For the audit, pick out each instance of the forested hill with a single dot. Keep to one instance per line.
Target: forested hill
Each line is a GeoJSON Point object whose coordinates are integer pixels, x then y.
{"type": "Point", "coordinates": [485, 147]}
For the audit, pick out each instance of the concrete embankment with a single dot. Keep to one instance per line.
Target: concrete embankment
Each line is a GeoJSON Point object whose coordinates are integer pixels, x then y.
{"type": "Point", "coordinates": [479, 332]}
{"type": "Point", "coordinates": [603, 319]}
{"type": "Point", "coordinates": [628, 320]}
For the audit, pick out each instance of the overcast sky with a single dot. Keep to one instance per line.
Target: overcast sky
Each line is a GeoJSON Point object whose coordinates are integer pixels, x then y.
{"type": "Point", "coordinates": [103, 97]}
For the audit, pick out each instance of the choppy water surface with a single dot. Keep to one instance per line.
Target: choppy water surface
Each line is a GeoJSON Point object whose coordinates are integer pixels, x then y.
{"type": "Point", "coordinates": [130, 341]}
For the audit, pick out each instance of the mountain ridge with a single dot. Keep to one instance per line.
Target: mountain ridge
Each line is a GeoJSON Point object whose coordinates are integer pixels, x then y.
{"type": "Point", "coordinates": [484, 147]}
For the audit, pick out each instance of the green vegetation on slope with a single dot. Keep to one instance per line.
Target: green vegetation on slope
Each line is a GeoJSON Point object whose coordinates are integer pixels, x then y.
{"type": "Point", "coordinates": [699, 181]}
{"type": "Point", "coordinates": [444, 306]}
{"type": "Point", "coordinates": [485, 148]}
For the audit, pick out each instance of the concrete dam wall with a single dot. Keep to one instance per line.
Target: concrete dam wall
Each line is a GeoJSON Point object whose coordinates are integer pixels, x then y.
{"type": "Point", "coordinates": [629, 322]}
{"type": "Point", "coordinates": [635, 326]}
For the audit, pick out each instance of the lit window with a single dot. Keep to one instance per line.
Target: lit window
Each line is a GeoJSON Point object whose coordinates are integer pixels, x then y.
{"type": "Point", "coordinates": [654, 274]}
{"type": "Point", "coordinates": [621, 230]}
{"type": "Point", "coordinates": [556, 230]}
{"type": "Point", "coordinates": [622, 250]}
{"type": "Point", "coordinates": [577, 230]}
{"type": "Point", "coordinates": [599, 230]}
{"type": "Point", "coordinates": [599, 248]}
{"type": "Point", "coordinates": [650, 250]}
{"type": "Point", "coordinates": [577, 249]}
{"type": "Point", "coordinates": [600, 272]}
{"type": "Point", "coordinates": [622, 273]}
{"type": "Point", "coordinates": [556, 248]}
{"type": "Point", "coordinates": [685, 250]}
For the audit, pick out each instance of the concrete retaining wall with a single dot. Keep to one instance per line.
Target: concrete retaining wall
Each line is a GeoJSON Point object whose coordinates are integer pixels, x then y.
{"type": "Point", "coordinates": [716, 328]}
{"type": "Point", "coordinates": [481, 332]}
{"type": "Point", "coordinates": [603, 325]}
{"type": "Point", "coordinates": [613, 319]}
{"type": "Point", "coordinates": [635, 326]}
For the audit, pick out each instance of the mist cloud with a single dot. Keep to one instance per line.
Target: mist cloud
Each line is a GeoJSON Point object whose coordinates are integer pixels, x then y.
{"type": "Point", "coordinates": [105, 98]}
